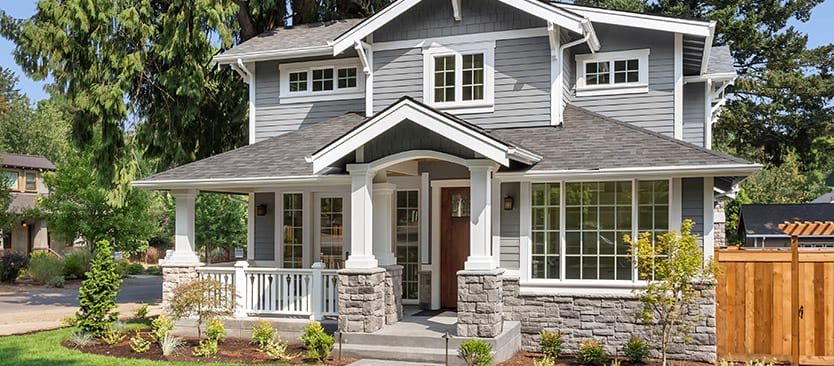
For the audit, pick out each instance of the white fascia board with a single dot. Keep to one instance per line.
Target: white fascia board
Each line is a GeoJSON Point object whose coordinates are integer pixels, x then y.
{"type": "Point", "coordinates": [637, 20]}
{"type": "Point", "coordinates": [242, 184]}
{"type": "Point", "coordinates": [723, 76]}
{"type": "Point", "coordinates": [274, 54]}
{"type": "Point", "coordinates": [548, 12]}
{"type": "Point", "coordinates": [707, 47]}
{"type": "Point", "coordinates": [663, 171]}
{"type": "Point", "coordinates": [370, 25]}
{"type": "Point", "coordinates": [408, 110]}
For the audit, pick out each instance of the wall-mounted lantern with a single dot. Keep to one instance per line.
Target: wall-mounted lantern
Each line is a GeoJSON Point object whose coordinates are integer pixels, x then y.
{"type": "Point", "coordinates": [508, 203]}
{"type": "Point", "coordinates": [260, 210]}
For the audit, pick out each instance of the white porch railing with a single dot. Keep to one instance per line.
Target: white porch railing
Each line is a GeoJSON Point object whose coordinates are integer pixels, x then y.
{"type": "Point", "coordinates": [279, 291]}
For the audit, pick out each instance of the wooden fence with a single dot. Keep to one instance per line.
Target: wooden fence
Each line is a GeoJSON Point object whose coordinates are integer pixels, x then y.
{"type": "Point", "coordinates": [776, 305]}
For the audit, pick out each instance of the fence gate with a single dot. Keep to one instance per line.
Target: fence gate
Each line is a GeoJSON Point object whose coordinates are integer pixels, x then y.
{"type": "Point", "coordinates": [776, 305]}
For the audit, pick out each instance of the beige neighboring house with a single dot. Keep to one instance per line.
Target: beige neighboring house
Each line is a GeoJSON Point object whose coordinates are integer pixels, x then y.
{"type": "Point", "coordinates": [25, 173]}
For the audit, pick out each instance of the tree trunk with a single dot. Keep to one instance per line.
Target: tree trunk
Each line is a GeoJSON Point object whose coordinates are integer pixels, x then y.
{"type": "Point", "coordinates": [244, 18]}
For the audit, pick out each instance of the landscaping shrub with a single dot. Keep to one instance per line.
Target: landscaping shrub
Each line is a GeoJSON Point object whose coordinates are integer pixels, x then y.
{"type": "Point", "coordinates": [139, 344]}
{"type": "Point", "coordinates": [205, 299]}
{"type": "Point", "coordinates": [207, 348]}
{"type": "Point", "coordinates": [11, 264]}
{"type": "Point", "coordinates": [69, 321]}
{"type": "Point", "coordinates": [77, 263]}
{"type": "Point", "coordinates": [551, 343]}
{"type": "Point", "coordinates": [112, 337]}
{"type": "Point", "coordinates": [56, 281]}
{"type": "Point", "coordinates": [590, 352]}
{"type": "Point", "coordinates": [141, 312]}
{"type": "Point", "coordinates": [475, 352]}
{"type": "Point", "coordinates": [154, 270]}
{"type": "Point", "coordinates": [121, 266]}
{"type": "Point", "coordinates": [97, 295]}
{"type": "Point", "coordinates": [262, 334]}
{"type": "Point", "coordinates": [169, 344]}
{"type": "Point", "coordinates": [43, 266]}
{"type": "Point", "coordinates": [545, 361]}
{"type": "Point", "coordinates": [215, 330]}
{"type": "Point", "coordinates": [317, 341]}
{"type": "Point", "coordinates": [160, 327]}
{"type": "Point", "coordinates": [82, 339]}
{"type": "Point", "coordinates": [134, 269]}
{"type": "Point", "coordinates": [637, 350]}
{"type": "Point", "coordinates": [277, 350]}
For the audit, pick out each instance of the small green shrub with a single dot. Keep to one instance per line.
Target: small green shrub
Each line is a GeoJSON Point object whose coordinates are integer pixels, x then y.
{"type": "Point", "coordinates": [207, 348]}
{"type": "Point", "coordinates": [551, 343]}
{"type": "Point", "coordinates": [475, 352]}
{"type": "Point", "coordinates": [615, 363]}
{"type": "Point", "coordinates": [112, 337]}
{"type": "Point", "coordinates": [139, 344]}
{"type": "Point", "coordinates": [121, 266]}
{"type": "Point", "coordinates": [97, 295]}
{"type": "Point", "coordinates": [215, 330]}
{"type": "Point", "coordinates": [590, 352]}
{"type": "Point", "coordinates": [134, 269]}
{"type": "Point", "coordinates": [82, 339]}
{"type": "Point", "coordinates": [170, 344]}
{"type": "Point", "coordinates": [262, 334]}
{"type": "Point", "coordinates": [277, 350]}
{"type": "Point", "coordinates": [545, 361]}
{"type": "Point", "coordinates": [69, 321]}
{"type": "Point", "coordinates": [317, 341]}
{"type": "Point", "coordinates": [154, 270]}
{"type": "Point", "coordinates": [203, 299]}
{"type": "Point", "coordinates": [160, 327]}
{"type": "Point", "coordinates": [141, 312]}
{"type": "Point", "coordinates": [637, 350]}
{"type": "Point", "coordinates": [57, 282]}
{"type": "Point", "coordinates": [11, 264]}
{"type": "Point", "coordinates": [44, 266]}
{"type": "Point", "coordinates": [118, 326]}
{"type": "Point", "coordinates": [77, 263]}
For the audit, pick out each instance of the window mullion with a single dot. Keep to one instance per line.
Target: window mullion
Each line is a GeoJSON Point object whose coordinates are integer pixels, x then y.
{"type": "Point", "coordinates": [458, 77]}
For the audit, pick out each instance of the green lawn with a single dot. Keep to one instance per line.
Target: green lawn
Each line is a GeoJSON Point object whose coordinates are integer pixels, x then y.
{"type": "Point", "coordinates": [44, 348]}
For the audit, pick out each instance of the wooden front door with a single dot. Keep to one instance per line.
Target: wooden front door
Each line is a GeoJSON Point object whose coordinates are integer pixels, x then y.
{"type": "Point", "coordinates": [454, 241]}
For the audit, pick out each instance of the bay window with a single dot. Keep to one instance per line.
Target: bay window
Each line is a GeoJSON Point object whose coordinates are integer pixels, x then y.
{"type": "Point", "coordinates": [578, 227]}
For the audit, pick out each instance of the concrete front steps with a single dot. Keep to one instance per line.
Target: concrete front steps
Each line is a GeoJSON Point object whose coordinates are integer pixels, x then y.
{"type": "Point", "coordinates": [423, 346]}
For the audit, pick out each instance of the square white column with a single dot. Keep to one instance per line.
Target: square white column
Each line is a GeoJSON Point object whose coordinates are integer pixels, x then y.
{"type": "Point", "coordinates": [184, 229]}
{"type": "Point", "coordinates": [361, 218]}
{"type": "Point", "coordinates": [383, 213]}
{"type": "Point", "coordinates": [480, 229]}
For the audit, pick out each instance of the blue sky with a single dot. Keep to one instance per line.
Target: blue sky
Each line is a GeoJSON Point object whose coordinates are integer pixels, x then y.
{"type": "Point", "coordinates": [818, 29]}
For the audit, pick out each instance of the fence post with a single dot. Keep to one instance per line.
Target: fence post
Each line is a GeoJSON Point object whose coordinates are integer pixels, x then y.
{"type": "Point", "coordinates": [317, 293]}
{"type": "Point", "coordinates": [794, 300]}
{"type": "Point", "coordinates": [240, 288]}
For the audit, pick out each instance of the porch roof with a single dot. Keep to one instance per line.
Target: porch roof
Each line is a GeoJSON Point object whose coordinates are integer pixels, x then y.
{"type": "Point", "coordinates": [587, 143]}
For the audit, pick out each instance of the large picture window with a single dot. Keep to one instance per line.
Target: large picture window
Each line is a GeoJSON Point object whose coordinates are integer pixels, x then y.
{"type": "Point", "coordinates": [293, 230]}
{"type": "Point", "coordinates": [578, 227]}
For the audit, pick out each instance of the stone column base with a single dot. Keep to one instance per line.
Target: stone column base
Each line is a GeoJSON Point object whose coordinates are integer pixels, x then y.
{"type": "Point", "coordinates": [172, 277]}
{"type": "Point", "coordinates": [393, 293]}
{"type": "Point", "coordinates": [480, 303]}
{"type": "Point", "coordinates": [361, 300]}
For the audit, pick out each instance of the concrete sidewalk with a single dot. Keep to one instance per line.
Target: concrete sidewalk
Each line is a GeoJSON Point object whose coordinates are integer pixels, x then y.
{"type": "Point", "coordinates": [33, 309]}
{"type": "Point", "coordinates": [391, 363]}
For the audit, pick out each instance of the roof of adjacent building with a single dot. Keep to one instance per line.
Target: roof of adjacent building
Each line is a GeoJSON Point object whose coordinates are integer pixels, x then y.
{"type": "Point", "coordinates": [301, 36]}
{"type": "Point", "coordinates": [587, 142]}
{"type": "Point", "coordinates": [21, 201]}
{"type": "Point", "coordinates": [720, 61]}
{"type": "Point", "coordinates": [764, 219]}
{"type": "Point", "coordinates": [826, 198]}
{"type": "Point", "coordinates": [25, 161]}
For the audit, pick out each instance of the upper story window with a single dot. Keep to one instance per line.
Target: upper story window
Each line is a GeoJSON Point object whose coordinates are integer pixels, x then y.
{"type": "Point", "coordinates": [321, 80]}
{"type": "Point", "coordinates": [31, 181]}
{"type": "Point", "coordinates": [10, 179]}
{"type": "Point", "coordinates": [460, 78]}
{"type": "Point", "coordinates": [612, 73]}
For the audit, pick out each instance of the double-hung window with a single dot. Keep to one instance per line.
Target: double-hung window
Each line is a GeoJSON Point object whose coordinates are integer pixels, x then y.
{"type": "Point", "coordinates": [578, 227]}
{"type": "Point", "coordinates": [10, 180]}
{"type": "Point", "coordinates": [612, 73]}
{"type": "Point", "coordinates": [460, 78]}
{"type": "Point", "coordinates": [321, 80]}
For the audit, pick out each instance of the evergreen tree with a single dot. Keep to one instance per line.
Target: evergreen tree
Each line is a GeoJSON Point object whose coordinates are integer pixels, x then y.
{"type": "Point", "coordinates": [97, 295]}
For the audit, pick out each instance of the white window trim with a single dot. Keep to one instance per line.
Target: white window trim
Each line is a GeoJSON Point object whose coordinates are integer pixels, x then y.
{"type": "Point", "coordinates": [567, 286]}
{"type": "Point", "coordinates": [286, 96]}
{"type": "Point", "coordinates": [641, 86]}
{"type": "Point", "coordinates": [433, 50]}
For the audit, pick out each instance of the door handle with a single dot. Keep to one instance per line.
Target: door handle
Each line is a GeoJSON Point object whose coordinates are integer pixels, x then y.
{"type": "Point", "coordinates": [801, 312]}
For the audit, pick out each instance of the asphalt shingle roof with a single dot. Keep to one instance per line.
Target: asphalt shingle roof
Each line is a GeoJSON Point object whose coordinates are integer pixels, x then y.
{"type": "Point", "coordinates": [22, 201]}
{"type": "Point", "coordinates": [300, 36]}
{"type": "Point", "coordinates": [590, 141]}
{"type": "Point", "coordinates": [720, 60]}
{"type": "Point", "coordinates": [25, 161]}
{"type": "Point", "coordinates": [764, 219]}
{"type": "Point", "coordinates": [280, 156]}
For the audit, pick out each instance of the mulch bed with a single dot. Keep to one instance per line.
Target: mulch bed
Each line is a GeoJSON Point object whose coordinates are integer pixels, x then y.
{"type": "Point", "coordinates": [231, 351]}
{"type": "Point", "coordinates": [526, 359]}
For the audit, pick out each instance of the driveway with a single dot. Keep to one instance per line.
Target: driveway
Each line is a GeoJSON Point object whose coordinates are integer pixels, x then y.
{"type": "Point", "coordinates": [31, 309]}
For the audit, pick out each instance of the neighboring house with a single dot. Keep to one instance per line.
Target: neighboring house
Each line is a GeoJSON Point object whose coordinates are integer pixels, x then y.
{"type": "Point", "coordinates": [24, 174]}
{"type": "Point", "coordinates": [758, 225]}
{"type": "Point", "coordinates": [486, 156]}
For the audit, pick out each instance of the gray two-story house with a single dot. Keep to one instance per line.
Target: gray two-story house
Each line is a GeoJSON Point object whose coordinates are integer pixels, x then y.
{"type": "Point", "coordinates": [484, 156]}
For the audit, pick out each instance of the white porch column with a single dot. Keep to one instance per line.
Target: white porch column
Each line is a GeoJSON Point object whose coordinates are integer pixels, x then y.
{"type": "Point", "coordinates": [480, 232]}
{"type": "Point", "coordinates": [184, 232]}
{"type": "Point", "coordinates": [383, 208]}
{"type": "Point", "coordinates": [361, 218]}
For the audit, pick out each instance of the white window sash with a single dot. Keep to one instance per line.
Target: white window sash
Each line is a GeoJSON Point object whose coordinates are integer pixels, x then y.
{"type": "Point", "coordinates": [459, 106]}
{"type": "Point", "coordinates": [641, 86]}
{"type": "Point", "coordinates": [286, 96]}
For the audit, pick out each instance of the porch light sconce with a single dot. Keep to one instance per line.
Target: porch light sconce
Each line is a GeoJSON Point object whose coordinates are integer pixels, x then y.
{"type": "Point", "coordinates": [508, 203]}
{"type": "Point", "coordinates": [260, 210]}
{"type": "Point", "coordinates": [23, 224]}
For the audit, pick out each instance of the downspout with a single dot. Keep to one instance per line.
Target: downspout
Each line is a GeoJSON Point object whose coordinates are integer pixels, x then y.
{"type": "Point", "coordinates": [588, 36]}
